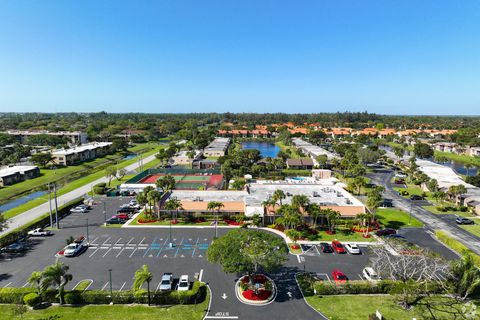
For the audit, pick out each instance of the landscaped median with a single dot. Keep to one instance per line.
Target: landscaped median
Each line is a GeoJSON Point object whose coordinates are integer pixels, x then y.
{"type": "Point", "coordinates": [188, 305]}
{"type": "Point", "coordinates": [456, 245]}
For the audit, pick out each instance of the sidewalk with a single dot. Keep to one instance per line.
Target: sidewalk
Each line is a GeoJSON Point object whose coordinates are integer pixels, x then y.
{"type": "Point", "coordinates": [44, 208]}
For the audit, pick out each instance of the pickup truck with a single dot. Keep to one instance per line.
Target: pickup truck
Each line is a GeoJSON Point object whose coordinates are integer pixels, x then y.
{"type": "Point", "coordinates": [39, 232]}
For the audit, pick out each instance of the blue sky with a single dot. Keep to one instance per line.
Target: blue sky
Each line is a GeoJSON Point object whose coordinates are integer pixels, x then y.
{"type": "Point", "coordinates": [401, 57]}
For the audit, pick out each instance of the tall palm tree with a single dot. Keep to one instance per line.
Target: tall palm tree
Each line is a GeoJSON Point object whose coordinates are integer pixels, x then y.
{"type": "Point", "coordinates": [315, 212]}
{"type": "Point", "coordinates": [291, 217]}
{"type": "Point", "coordinates": [300, 201]}
{"type": "Point", "coordinates": [332, 218]}
{"type": "Point", "coordinates": [155, 196]}
{"type": "Point", "coordinates": [174, 204]}
{"type": "Point", "coordinates": [35, 280]}
{"type": "Point", "coordinates": [278, 196]}
{"type": "Point", "coordinates": [215, 206]}
{"type": "Point", "coordinates": [269, 204]}
{"type": "Point", "coordinates": [56, 275]}
{"type": "Point", "coordinates": [143, 275]}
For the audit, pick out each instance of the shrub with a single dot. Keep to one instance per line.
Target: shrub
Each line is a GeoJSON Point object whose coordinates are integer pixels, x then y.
{"type": "Point", "coordinates": [32, 299]}
{"type": "Point", "coordinates": [73, 297]}
{"type": "Point", "coordinates": [244, 285]}
{"type": "Point", "coordinates": [14, 295]}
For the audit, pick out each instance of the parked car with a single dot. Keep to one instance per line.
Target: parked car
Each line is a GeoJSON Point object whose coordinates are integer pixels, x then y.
{"type": "Point", "coordinates": [386, 231]}
{"type": "Point", "coordinates": [122, 216]}
{"type": "Point", "coordinates": [15, 247]}
{"type": "Point", "coordinates": [39, 232]}
{"type": "Point", "coordinates": [395, 236]}
{"type": "Point", "coordinates": [183, 284]}
{"type": "Point", "coordinates": [416, 197]}
{"type": "Point", "coordinates": [400, 175]}
{"type": "Point", "coordinates": [338, 247]}
{"type": "Point", "coordinates": [326, 248]}
{"type": "Point", "coordinates": [339, 276]}
{"type": "Point", "coordinates": [86, 206]}
{"type": "Point", "coordinates": [166, 283]}
{"type": "Point", "coordinates": [387, 203]}
{"type": "Point", "coordinates": [78, 210]}
{"type": "Point", "coordinates": [115, 220]}
{"type": "Point", "coordinates": [462, 220]}
{"type": "Point", "coordinates": [370, 274]}
{"type": "Point", "coordinates": [353, 248]}
{"type": "Point", "coordinates": [126, 210]}
{"type": "Point", "coordinates": [73, 249]}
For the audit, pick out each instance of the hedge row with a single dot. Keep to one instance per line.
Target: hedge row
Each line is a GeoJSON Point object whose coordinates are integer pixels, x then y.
{"type": "Point", "coordinates": [355, 287]}
{"type": "Point", "coordinates": [37, 223]}
{"type": "Point", "coordinates": [195, 295]}
{"type": "Point", "coordinates": [456, 245]}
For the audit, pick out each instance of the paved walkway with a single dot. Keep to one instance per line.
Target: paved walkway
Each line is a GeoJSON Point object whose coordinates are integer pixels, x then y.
{"type": "Point", "coordinates": [40, 210]}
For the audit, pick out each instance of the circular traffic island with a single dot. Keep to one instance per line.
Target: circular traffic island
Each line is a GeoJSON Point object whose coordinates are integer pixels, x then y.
{"type": "Point", "coordinates": [256, 290]}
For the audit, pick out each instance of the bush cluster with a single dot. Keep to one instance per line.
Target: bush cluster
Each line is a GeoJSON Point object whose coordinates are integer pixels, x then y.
{"type": "Point", "coordinates": [99, 188]}
{"type": "Point", "coordinates": [452, 208]}
{"type": "Point", "coordinates": [28, 296]}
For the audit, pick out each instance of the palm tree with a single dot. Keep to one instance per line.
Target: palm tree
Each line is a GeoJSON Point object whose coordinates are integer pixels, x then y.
{"type": "Point", "coordinates": [267, 204]}
{"type": "Point", "coordinates": [300, 201]}
{"type": "Point", "coordinates": [332, 218]}
{"type": "Point", "coordinates": [143, 275]}
{"type": "Point", "coordinates": [155, 196]}
{"type": "Point", "coordinates": [293, 234]}
{"type": "Point", "coordinates": [291, 217]}
{"type": "Point", "coordinates": [278, 196]}
{"type": "Point", "coordinates": [35, 280]}
{"type": "Point", "coordinates": [174, 204]}
{"type": "Point", "coordinates": [215, 206]}
{"type": "Point", "coordinates": [365, 219]}
{"type": "Point", "coordinates": [315, 212]}
{"type": "Point", "coordinates": [56, 275]}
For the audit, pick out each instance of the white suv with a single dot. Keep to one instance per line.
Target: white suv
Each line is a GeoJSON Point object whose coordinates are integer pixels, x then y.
{"type": "Point", "coordinates": [183, 284]}
{"type": "Point", "coordinates": [352, 248]}
{"type": "Point", "coordinates": [166, 283]}
{"type": "Point", "coordinates": [370, 274]}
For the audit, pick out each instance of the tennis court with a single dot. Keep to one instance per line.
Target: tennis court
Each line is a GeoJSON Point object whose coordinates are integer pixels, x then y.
{"type": "Point", "coordinates": [185, 181]}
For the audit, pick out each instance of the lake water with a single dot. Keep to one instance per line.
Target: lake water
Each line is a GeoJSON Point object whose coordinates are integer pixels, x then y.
{"type": "Point", "coordinates": [15, 203]}
{"type": "Point", "coordinates": [130, 156]}
{"type": "Point", "coordinates": [267, 149]}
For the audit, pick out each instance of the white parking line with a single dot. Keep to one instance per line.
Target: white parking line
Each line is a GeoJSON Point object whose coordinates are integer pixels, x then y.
{"type": "Point", "coordinates": [133, 252]}
{"type": "Point", "coordinates": [123, 285]}
{"type": "Point", "coordinates": [26, 283]}
{"type": "Point", "coordinates": [141, 242]}
{"type": "Point", "coordinates": [105, 242]}
{"type": "Point", "coordinates": [93, 242]}
{"type": "Point", "coordinates": [201, 275]}
{"type": "Point", "coordinates": [119, 253]}
{"type": "Point", "coordinates": [107, 252]}
{"type": "Point", "coordinates": [118, 244]}
{"type": "Point", "coordinates": [128, 243]}
{"type": "Point", "coordinates": [298, 258]}
{"type": "Point", "coordinates": [106, 284]}
{"type": "Point", "coordinates": [7, 285]}
{"type": "Point", "coordinates": [93, 252]}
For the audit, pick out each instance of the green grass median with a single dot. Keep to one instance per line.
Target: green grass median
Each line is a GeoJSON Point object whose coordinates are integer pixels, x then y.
{"type": "Point", "coordinates": [395, 218]}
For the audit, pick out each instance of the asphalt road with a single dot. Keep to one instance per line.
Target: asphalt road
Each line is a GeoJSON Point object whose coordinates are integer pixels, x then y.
{"type": "Point", "coordinates": [432, 221]}
{"type": "Point", "coordinates": [40, 210]}
{"type": "Point", "coordinates": [124, 250]}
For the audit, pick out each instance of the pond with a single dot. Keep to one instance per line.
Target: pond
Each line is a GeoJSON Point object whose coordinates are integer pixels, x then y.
{"type": "Point", "coordinates": [15, 203]}
{"type": "Point", "coordinates": [267, 149]}
{"type": "Point", "coordinates": [129, 156]}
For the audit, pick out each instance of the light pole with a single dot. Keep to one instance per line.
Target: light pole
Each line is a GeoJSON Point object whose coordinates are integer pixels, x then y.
{"type": "Point", "coordinates": [216, 222]}
{"type": "Point", "coordinates": [411, 209]}
{"type": "Point", "coordinates": [104, 212]}
{"type": "Point", "coordinates": [50, 205]}
{"type": "Point", "coordinates": [171, 243]}
{"type": "Point", "coordinates": [88, 237]}
{"type": "Point", "coordinates": [56, 205]}
{"type": "Point", "coordinates": [111, 290]}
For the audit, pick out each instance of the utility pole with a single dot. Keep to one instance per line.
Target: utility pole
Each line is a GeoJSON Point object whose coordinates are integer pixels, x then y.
{"type": "Point", "coordinates": [105, 212]}
{"type": "Point", "coordinates": [111, 291]}
{"type": "Point", "coordinates": [50, 205]}
{"type": "Point", "coordinates": [56, 205]}
{"type": "Point", "coordinates": [88, 237]}
{"type": "Point", "coordinates": [411, 209]}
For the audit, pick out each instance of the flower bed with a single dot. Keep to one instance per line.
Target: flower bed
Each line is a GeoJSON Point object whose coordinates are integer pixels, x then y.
{"type": "Point", "coordinates": [261, 295]}
{"type": "Point", "coordinates": [147, 220]}
{"type": "Point", "coordinates": [232, 222]}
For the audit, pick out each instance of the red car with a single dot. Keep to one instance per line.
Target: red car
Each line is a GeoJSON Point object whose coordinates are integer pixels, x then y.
{"type": "Point", "coordinates": [339, 276]}
{"type": "Point", "coordinates": [122, 216]}
{"type": "Point", "coordinates": [338, 247]}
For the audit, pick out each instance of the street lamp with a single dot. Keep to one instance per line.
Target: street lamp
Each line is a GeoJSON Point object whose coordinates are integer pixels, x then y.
{"type": "Point", "coordinates": [111, 290]}
{"type": "Point", "coordinates": [88, 237]}
{"type": "Point", "coordinates": [105, 212]}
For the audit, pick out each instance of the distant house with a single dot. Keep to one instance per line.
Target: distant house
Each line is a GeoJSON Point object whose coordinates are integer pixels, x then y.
{"type": "Point", "coordinates": [205, 164]}
{"type": "Point", "coordinates": [473, 151]}
{"type": "Point", "coordinates": [449, 147]}
{"type": "Point", "coordinates": [89, 151]}
{"type": "Point", "coordinates": [303, 163]}
{"type": "Point", "coordinates": [217, 148]}
{"type": "Point", "coordinates": [12, 175]}
{"type": "Point", "coordinates": [182, 158]}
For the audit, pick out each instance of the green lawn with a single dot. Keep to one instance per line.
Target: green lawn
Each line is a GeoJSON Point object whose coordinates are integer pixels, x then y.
{"type": "Point", "coordinates": [112, 312]}
{"type": "Point", "coordinates": [455, 245]}
{"type": "Point", "coordinates": [433, 209]}
{"type": "Point", "coordinates": [394, 218]}
{"type": "Point", "coordinates": [355, 307]}
{"type": "Point", "coordinates": [71, 186]}
{"type": "Point", "coordinates": [463, 158]}
{"type": "Point", "coordinates": [293, 151]}
{"type": "Point", "coordinates": [166, 222]}
{"type": "Point", "coordinates": [472, 228]}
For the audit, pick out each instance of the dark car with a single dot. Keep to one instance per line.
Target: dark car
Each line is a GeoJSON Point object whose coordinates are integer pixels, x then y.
{"type": "Point", "coordinates": [15, 247]}
{"type": "Point", "coordinates": [126, 210]}
{"type": "Point", "coordinates": [326, 248]}
{"type": "Point", "coordinates": [115, 220]}
{"type": "Point", "coordinates": [395, 236]}
{"type": "Point", "coordinates": [416, 197]}
{"type": "Point", "coordinates": [387, 203]}
{"type": "Point", "coordinates": [462, 220]}
{"type": "Point", "coordinates": [386, 231]}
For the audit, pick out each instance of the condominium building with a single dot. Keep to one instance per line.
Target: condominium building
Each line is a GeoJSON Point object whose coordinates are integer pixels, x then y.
{"type": "Point", "coordinates": [89, 151]}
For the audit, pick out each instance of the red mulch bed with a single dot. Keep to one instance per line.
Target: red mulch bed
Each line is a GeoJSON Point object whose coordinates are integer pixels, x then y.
{"type": "Point", "coordinates": [232, 223]}
{"type": "Point", "coordinates": [260, 296]}
{"type": "Point", "coordinates": [259, 278]}
{"type": "Point", "coordinates": [295, 246]}
{"type": "Point", "coordinates": [147, 220]}
{"type": "Point", "coordinates": [330, 232]}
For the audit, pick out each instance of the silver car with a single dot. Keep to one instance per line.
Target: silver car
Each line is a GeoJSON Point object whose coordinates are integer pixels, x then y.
{"type": "Point", "coordinates": [166, 283]}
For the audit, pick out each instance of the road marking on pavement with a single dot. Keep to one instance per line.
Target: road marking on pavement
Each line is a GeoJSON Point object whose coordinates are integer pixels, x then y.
{"type": "Point", "coordinates": [131, 254]}
{"type": "Point", "coordinates": [141, 242]}
{"type": "Point", "coordinates": [201, 275]}
{"type": "Point", "coordinates": [26, 283]}
{"type": "Point", "coordinates": [93, 242]}
{"type": "Point", "coordinates": [161, 249]}
{"type": "Point", "coordinates": [106, 284]}
{"type": "Point", "coordinates": [220, 317]}
{"type": "Point", "coordinates": [117, 248]}
{"type": "Point", "coordinates": [123, 285]}
{"type": "Point", "coordinates": [119, 253]}
{"type": "Point", "coordinates": [107, 252]}
{"type": "Point", "coordinates": [224, 296]}
{"type": "Point", "coordinates": [128, 243]}
{"type": "Point", "coordinates": [91, 255]}
{"type": "Point", "coordinates": [178, 247]}
{"type": "Point", "coordinates": [298, 258]}
{"type": "Point", "coordinates": [105, 242]}
{"type": "Point", "coordinates": [118, 244]}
